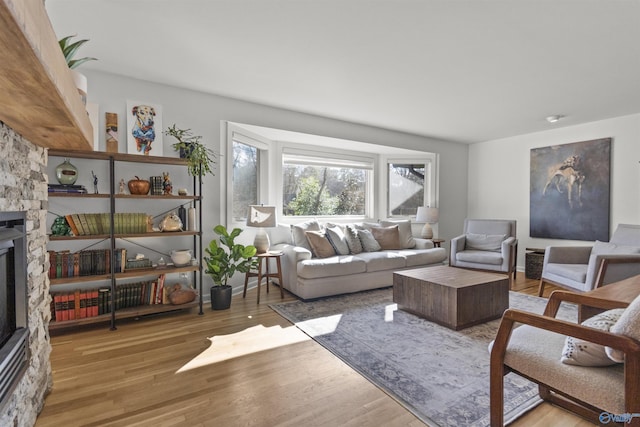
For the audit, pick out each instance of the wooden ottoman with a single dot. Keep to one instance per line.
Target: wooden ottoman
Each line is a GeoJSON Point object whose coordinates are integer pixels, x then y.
{"type": "Point", "coordinates": [452, 297]}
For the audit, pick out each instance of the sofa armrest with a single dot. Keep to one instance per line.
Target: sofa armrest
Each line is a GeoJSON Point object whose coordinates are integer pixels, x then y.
{"type": "Point", "coordinates": [289, 262]}
{"type": "Point", "coordinates": [423, 243]}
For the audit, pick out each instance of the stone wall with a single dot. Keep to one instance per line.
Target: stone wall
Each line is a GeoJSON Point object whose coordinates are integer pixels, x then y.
{"type": "Point", "coordinates": [23, 185]}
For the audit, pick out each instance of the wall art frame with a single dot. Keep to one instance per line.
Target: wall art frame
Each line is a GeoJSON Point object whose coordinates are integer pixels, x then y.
{"type": "Point", "coordinates": [144, 128]}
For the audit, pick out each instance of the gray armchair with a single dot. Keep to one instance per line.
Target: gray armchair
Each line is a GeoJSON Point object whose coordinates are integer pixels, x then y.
{"type": "Point", "coordinates": [584, 268]}
{"type": "Point", "coordinates": [487, 244]}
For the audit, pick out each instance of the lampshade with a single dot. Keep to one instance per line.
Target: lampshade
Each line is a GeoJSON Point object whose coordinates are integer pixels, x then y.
{"type": "Point", "coordinates": [261, 216]}
{"type": "Point", "coordinates": [427, 214]}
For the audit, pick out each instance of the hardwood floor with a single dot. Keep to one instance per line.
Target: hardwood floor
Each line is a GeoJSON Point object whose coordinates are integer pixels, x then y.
{"type": "Point", "coordinates": [168, 371]}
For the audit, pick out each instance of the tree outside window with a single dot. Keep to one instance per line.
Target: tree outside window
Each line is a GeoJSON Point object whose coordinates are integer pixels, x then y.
{"type": "Point", "coordinates": [245, 179]}
{"type": "Point", "coordinates": [406, 188]}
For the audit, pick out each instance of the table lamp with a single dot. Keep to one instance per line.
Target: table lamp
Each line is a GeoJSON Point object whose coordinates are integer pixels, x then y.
{"type": "Point", "coordinates": [262, 217]}
{"type": "Point", "coordinates": [428, 216]}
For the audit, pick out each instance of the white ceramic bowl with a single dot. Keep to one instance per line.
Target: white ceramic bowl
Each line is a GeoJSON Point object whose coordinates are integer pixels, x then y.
{"type": "Point", "coordinates": [181, 257]}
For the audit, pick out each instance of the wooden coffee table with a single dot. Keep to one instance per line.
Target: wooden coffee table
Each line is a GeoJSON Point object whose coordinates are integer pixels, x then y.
{"type": "Point", "coordinates": [452, 297]}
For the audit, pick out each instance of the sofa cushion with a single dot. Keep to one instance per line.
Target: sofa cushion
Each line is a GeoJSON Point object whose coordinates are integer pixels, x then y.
{"type": "Point", "coordinates": [338, 240]}
{"type": "Point", "coordinates": [481, 257]}
{"type": "Point", "coordinates": [576, 272]}
{"type": "Point", "coordinates": [387, 237]}
{"type": "Point", "coordinates": [319, 243]}
{"type": "Point", "coordinates": [353, 241]}
{"type": "Point", "coordinates": [369, 243]}
{"type": "Point", "coordinates": [383, 260]}
{"type": "Point", "coordinates": [329, 267]}
{"type": "Point", "coordinates": [297, 232]}
{"type": "Point", "coordinates": [628, 325]}
{"type": "Point", "coordinates": [586, 353]}
{"type": "Point", "coordinates": [484, 242]}
{"type": "Point", "coordinates": [421, 257]}
{"type": "Point", "coordinates": [406, 235]}
{"type": "Point", "coordinates": [603, 248]}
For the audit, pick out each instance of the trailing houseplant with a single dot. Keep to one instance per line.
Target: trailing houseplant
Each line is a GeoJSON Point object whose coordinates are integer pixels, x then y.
{"type": "Point", "coordinates": [223, 261]}
{"type": "Point", "coordinates": [200, 158]}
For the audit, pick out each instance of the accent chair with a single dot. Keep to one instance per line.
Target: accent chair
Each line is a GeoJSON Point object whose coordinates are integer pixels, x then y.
{"type": "Point", "coordinates": [598, 391]}
{"type": "Point", "coordinates": [486, 244]}
{"type": "Point", "coordinates": [584, 268]}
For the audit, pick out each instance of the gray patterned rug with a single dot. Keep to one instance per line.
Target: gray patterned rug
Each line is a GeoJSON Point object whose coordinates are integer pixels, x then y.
{"type": "Point", "coordinates": [440, 375]}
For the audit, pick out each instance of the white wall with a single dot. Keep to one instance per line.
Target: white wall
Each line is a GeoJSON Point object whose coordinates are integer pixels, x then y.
{"type": "Point", "coordinates": [499, 175]}
{"type": "Point", "coordinates": [203, 113]}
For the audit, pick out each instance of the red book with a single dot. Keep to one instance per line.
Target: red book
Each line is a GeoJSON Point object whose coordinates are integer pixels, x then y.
{"type": "Point", "coordinates": [64, 311]}
{"type": "Point", "coordinates": [94, 302]}
{"type": "Point", "coordinates": [57, 303]}
{"type": "Point", "coordinates": [83, 304]}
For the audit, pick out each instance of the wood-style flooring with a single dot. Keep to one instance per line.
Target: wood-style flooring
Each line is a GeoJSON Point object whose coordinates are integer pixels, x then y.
{"type": "Point", "coordinates": [259, 370]}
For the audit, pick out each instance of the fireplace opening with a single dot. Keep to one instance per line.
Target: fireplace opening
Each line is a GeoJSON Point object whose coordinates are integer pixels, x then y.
{"type": "Point", "coordinates": [14, 333]}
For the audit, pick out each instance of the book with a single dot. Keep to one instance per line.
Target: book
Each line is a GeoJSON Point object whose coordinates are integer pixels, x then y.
{"type": "Point", "coordinates": [83, 304]}
{"type": "Point", "coordinates": [84, 223]}
{"type": "Point", "coordinates": [72, 225]}
{"type": "Point", "coordinates": [76, 220]}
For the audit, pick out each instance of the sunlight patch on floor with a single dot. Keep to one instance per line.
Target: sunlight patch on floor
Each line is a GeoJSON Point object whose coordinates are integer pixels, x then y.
{"type": "Point", "coordinates": [388, 312]}
{"type": "Point", "coordinates": [321, 325]}
{"type": "Point", "coordinates": [251, 340]}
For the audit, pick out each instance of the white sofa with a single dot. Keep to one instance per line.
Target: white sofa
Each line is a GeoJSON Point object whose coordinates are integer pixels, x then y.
{"type": "Point", "coordinates": [310, 277]}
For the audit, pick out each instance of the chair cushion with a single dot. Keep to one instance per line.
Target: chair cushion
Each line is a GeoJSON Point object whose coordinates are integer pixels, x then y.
{"type": "Point", "coordinates": [387, 237]}
{"type": "Point", "coordinates": [602, 248]}
{"type": "Point", "coordinates": [353, 241]}
{"type": "Point", "coordinates": [297, 232]}
{"type": "Point", "coordinates": [484, 242]}
{"type": "Point", "coordinates": [369, 243]}
{"type": "Point", "coordinates": [337, 239]}
{"type": "Point", "coordinates": [406, 235]}
{"type": "Point", "coordinates": [319, 243]}
{"type": "Point", "coordinates": [585, 353]}
{"type": "Point", "coordinates": [576, 272]}
{"type": "Point", "coordinates": [534, 353]}
{"type": "Point", "coordinates": [628, 325]}
{"type": "Point", "coordinates": [480, 257]}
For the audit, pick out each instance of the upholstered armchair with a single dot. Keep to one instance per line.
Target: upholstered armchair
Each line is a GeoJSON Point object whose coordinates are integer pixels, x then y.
{"type": "Point", "coordinates": [593, 385]}
{"type": "Point", "coordinates": [486, 244]}
{"type": "Point", "coordinates": [584, 268]}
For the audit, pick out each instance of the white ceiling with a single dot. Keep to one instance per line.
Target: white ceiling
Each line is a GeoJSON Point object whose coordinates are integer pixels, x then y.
{"type": "Point", "coordinates": [461, 70]}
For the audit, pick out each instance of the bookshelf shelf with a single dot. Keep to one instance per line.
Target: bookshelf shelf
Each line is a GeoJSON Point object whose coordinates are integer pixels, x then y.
{"type": "Point", "coordinates": [118, 280]}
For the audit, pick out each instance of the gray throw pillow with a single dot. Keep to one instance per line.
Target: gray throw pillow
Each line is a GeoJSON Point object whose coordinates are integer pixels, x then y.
{"type": "Point", "coordinates": [353, 241]}
{"type": "Point", "coordinates": [484, 242]}
{"type": "Point", "coordinates": [338, 240]}
{"type": "Point", "coordinates": [369, 244]}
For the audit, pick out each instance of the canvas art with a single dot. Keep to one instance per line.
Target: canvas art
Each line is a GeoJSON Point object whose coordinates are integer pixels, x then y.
{"type": "Point", "coordinates": [569, 191]}
{"type": "Point", "coordinates": [144, 128]}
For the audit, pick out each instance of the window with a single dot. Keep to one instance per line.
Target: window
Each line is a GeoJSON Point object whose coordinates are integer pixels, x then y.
{"type": "Point", "coordinates": [409, 186]}
{"type": "Point", "coordinates": [315, 185]}
{"type": "Point", "coordinates": [246, 159]}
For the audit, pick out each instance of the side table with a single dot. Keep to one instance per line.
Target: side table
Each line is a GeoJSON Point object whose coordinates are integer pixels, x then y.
{"type": "Point", "coordinates": [437, 242]}
{"type": "Point", "coordinates": [259, 274]}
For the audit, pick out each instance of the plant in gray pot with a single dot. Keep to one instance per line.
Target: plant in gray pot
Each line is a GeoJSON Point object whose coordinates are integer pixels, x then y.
{"type": "Point", "coordinates": [223, 261]}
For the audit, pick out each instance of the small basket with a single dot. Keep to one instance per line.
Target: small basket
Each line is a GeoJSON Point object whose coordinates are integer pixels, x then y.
{"type": "Point", "coordinates": [533, 265]}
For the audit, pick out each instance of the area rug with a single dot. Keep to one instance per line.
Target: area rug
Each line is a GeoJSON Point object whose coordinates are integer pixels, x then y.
{"type": "Point", "coordinates": [440, 375]}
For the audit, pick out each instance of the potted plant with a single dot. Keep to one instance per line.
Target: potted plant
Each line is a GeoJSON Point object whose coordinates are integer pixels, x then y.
{"type": "Point", "coordinates": [223, 263]}
{"type": "Point", "coordinates": [69, 50]}
{"type": "Point", "coordinates": [200, 158]}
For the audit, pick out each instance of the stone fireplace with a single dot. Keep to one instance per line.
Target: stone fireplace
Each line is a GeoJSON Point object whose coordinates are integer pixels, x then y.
{"type": "Point", "coordinates": [23, 182]}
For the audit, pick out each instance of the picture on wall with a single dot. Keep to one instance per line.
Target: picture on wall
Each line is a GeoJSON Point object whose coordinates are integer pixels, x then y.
{"type": "Point", "coordinates": [144, 128]}
{"type": "Point", "coordinates": [569, 191]}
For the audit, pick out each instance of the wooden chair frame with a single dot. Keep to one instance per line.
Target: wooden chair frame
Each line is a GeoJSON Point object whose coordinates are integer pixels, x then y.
{"type": "Point", "coordinates": [547, 321]}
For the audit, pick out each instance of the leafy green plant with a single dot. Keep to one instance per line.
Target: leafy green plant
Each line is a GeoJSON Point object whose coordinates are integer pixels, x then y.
{"type": "Point", "coordinates": [223, 263]}
{"type": "Point", "coordinates": [200, 159]}
{"type": "Point", "coordinates": [69, 50]}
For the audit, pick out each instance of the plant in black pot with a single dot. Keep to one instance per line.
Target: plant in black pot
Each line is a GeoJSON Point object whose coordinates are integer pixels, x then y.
{"type": "Point", "coordinates": [223, 263]}
{"type": "Point", "coordinates": [200, 158]}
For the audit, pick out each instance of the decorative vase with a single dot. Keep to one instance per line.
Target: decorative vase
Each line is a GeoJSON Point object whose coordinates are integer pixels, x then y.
{"type": "Point", "coordinates": [66, 173]}
{"type": "Point", "coordinates": [221, 297]}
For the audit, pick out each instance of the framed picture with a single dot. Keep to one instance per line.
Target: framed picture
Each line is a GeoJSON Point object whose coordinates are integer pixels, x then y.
{"type": "Point", "coordinates": [569, 191]}
{"type": "Point", "coordinates": [144, 128]}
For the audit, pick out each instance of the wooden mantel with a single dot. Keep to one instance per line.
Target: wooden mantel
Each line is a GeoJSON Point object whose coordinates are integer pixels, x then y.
{"type": "Point", "coordinates": [38, 98]}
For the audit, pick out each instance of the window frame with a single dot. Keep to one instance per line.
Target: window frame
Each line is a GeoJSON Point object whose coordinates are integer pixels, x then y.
{"type": "Point", "coordinates": [430, 198]}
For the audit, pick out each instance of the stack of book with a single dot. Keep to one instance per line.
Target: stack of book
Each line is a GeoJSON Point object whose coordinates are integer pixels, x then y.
{"type": "Point", "coordinates": [88, 262]}
{"type": "Point", "coordinates": [85, 224]}
{"type": "Point", "coordinates": [156, 185]}
{"type": "Point", "coordinates": [60, 188]}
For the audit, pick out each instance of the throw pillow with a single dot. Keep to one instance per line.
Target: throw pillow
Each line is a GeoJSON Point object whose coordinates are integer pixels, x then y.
{"type": "Point", "coordinates": [369, 244]}
{"type": "Point", "coordinates": [298, 230]}
{"type": "Point", "coordinates": [338, 240]}
{"type": "Point", "coordinates": [628, 325]}
{"type": "Point", "coordinates": [484, 242]}
{"type": "Point", "coordinates": [585, 353]}
{"type": "Point", "coordinates": [406, 235]}
{"type": "Point", "coordinates": [387, 237]}
{"type": "Point", "coordinates": [353, 241]}
{"type": "Point", "coordinates": [320, 246]}
{"type": "Point", "coordinates": [604, 248]}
